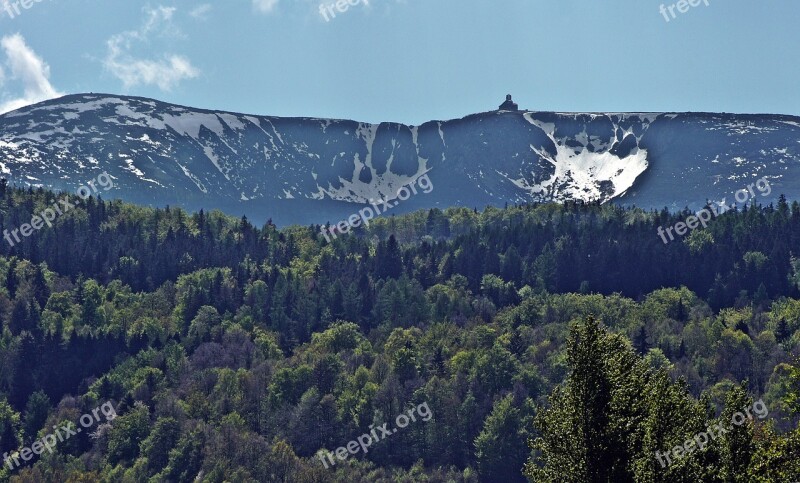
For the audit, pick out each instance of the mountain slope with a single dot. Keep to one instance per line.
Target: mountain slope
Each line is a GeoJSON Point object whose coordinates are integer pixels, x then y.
{"type": "Point", "coordinates": [307, 170]}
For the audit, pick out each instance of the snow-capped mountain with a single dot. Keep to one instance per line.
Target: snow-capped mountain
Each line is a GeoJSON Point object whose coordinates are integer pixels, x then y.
{"type": "Point", "coordinates": [307, 170]}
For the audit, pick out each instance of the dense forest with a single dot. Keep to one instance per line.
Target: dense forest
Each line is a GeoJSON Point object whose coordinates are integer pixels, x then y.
{"type": "Point", "coordinates": [553, 343]}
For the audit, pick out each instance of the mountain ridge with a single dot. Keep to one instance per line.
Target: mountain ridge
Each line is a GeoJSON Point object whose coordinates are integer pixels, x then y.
{"type": "Point", "coordinates": [299, 170]}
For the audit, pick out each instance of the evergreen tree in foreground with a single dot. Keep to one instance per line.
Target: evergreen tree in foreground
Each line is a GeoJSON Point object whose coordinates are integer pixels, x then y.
{"type": "Point", "coordinates": [615, 419]}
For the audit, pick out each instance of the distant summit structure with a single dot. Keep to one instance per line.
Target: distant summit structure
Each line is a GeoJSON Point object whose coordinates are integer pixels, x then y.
{"type": "Point", "coordinates": [509, 105]}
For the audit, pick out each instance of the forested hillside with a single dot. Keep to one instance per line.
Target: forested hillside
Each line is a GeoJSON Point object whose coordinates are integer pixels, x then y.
{"type": "Point", "coordinates": [548, 342]}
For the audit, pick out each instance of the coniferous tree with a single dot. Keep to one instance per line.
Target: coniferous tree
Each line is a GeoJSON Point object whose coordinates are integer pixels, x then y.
{"type": "Point", "coordinates": [576, 438]}
{"type": "Point", "coordinates": [640, 341]}
{"type": "Point", "coordinates": [500, 447]}
{"type": "Point", "coordinates": [782, 331]}
{"type": "Point", "coordinates": [389, 259]}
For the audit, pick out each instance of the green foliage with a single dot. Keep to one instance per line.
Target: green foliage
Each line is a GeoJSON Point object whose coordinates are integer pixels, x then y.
{"type": "Point", "coordinates": [616, 418]}
{"type": "Point", "coordinates": [185, 460]}
{"type": "Point", "coordinates": [162, 439]}
{"type": "Point", "coordinates": [9, 427]}
{"type": "Point", "coordinates": [339, 337]}
{"type": "Point", "coordinates": [36, 411]}
{"type": "Point", "coordinates": [755, 260]}
{"type": "Point", "coordinates": [235, 353]}
{"type": "Point", "coordinates": [127, 433]}
{"type": "Point", "coordinates": [500, 447]}
{"type": "Point", "coordinates": [777, 458]}
{"type": "Point", "coordinates": [580, 437]}
{"type": "Point", "coordinates": [793, 395]}
{"type": "Point", "coordinates": [698, 240]}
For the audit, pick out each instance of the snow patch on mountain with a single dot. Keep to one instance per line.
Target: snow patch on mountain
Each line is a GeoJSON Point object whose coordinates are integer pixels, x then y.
{"type": "Point", "coordinates": [583, 174]}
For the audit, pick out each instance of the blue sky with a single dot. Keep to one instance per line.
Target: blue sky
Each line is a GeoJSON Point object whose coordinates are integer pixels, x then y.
{"type": "Point", "coordinates": [408, 60]}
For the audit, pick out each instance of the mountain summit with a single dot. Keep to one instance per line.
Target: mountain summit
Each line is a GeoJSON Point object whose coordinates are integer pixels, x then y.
{"type": "Point", "coordinates": [310, 170]}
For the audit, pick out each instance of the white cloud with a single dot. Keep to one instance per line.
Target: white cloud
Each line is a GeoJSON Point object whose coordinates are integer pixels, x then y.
{"type": "Point", "coordinates": [165, 72]}
{"type": "Point", "coordinates": [265, 6]}
{"type": "Point", "coordinates": [29, 69]}
{"type": "Point", "coordinates": [201, 11]}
